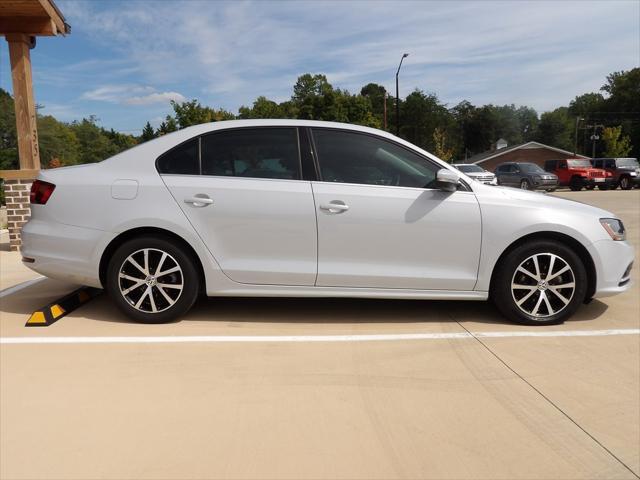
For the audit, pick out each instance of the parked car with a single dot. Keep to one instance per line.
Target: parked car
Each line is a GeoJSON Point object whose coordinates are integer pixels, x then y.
{"type": "Point", "coordinates": [625, 171]}
{"type": "Point", "coordinates": [527, 176]}
{"type": "Point", "coordinates": [476, 172]}
{"type": "Point", "coordinates": [577, 173]}
{"type": "Point", "coordinates": [313, 209]}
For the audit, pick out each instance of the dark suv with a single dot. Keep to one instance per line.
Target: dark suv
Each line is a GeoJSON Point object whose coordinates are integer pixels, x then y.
{"type": "Point", "coordinates": [625, 171]}
{"type": "Point", "coordinates": [527, 176]}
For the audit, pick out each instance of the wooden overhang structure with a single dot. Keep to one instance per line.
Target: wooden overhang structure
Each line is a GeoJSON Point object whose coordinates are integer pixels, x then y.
{"type": "Point", "coordinates": [21, 21]}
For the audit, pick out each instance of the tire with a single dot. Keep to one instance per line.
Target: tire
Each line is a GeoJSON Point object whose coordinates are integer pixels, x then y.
{"type": "Point", "coordinates": [591, 187]}
{"type": "Point", "coordinates": [625, 183]}
{"type": "Point", "coordinates": [181, 271]}
{"type": "Point", "coordinates": [525, 184]}
{"type": "Point", "coordinates": [605, 187]}
{"type": "Point", "coordinates": [576, 184]}
{"type": "Point", "coordinates": [534, 310]}
{"type": "Point", "coordinates": [550, 190]}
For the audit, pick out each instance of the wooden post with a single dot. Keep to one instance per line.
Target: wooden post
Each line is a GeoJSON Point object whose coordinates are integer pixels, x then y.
{"type": "Point", "coordinates": [24, 103]}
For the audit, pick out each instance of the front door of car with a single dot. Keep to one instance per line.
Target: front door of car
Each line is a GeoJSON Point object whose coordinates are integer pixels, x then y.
{"type": "Point", "coordinates": [509, 175]}
{"type": "Point", "coordinates": [383, 223]}
{"type": "Point", "coordinates": [249, 204]}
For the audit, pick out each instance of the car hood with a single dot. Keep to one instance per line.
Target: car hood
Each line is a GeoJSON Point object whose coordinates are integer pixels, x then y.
{"type": "Point", "coordinates": [479, 174]}
{"type": "Point", "coordinates": [538, 199]}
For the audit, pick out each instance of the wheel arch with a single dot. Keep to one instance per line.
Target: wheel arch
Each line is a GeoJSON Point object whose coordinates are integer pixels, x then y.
{"type": "Point", "coordinates": [578, 247]}
{"type": "Point", "coordinates": [155, 231]}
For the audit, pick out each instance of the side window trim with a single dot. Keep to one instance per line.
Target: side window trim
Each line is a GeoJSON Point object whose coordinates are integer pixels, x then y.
{"type": "Point", "coordinates": [316, 157]}
{"type": "Point", "coordinates": [310, 170]}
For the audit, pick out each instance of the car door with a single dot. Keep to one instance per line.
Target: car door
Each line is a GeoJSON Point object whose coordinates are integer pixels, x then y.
{"type": "Point", "coordinates": [249, 204]}
{"type": "Point", "coordinates": [382, 221]}
{"type": "Point", "coordinates": [509, 175]}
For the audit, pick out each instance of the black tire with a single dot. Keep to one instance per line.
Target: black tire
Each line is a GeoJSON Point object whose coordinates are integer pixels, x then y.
{"type": "Point", "coordinates": [591, 187]}
{"type": "Point", "coordinates": [525, 184]}
{"type": "Point", "coordinates": [506, 272]}
{"type": "Point", "coordinates": [626, 183]}
{"type": "Point", "coordinates": [605, 187]}
{"type": "Point", "coordinates": [187, 274]}
{"type": "Point", "coordinates": [576, 184]}
{"type": "Point", "coordinates": [551, 190]}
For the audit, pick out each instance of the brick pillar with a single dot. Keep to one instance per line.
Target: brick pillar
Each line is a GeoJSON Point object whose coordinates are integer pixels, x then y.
{"type": "Point", "coordinates": [16, 194]}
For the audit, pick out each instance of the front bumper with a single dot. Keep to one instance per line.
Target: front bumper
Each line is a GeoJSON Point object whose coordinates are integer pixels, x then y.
{"type": "Point", "coordinates": [612, 261]}
{"type": "Point", "coordinates": [545, 184]}
{"type": "Point", "coordinates": [596, 181]}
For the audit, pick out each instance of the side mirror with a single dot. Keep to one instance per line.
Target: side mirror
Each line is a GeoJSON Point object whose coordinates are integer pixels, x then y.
{"type": "Point", "coordinates": [447, 180]}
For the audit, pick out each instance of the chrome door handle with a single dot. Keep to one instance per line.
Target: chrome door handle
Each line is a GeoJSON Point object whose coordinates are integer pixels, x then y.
{"type": "Point", "coordinates": [336, 206]}
{"type": "Point", "coordinates": [199, 200]}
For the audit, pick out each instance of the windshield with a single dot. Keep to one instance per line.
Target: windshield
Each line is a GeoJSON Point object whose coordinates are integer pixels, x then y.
{"type": "Point", "coordinates": [627, 162]}
{"type": "Point", "coordinates": [531, 168]}
{"type": "Point", "coordinates": [579, 163]}
{"type": "Point", "coordinates": [469, 168]}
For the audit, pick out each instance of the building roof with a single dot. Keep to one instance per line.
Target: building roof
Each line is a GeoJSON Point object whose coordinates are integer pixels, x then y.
{"type": "Point", "coordinates": [482, 157]}
{"type": "Point", "coordinates": [32, 17]}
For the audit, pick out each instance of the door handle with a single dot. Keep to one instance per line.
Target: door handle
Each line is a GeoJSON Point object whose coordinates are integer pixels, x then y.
{"type": "Point", "coordinates": [199, 200]}
{"type": "Point", "coordinates": [335, 206]}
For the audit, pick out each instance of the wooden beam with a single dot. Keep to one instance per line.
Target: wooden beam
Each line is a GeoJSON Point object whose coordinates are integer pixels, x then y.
{"type": "Point", "coordinates": [54, 14]}
{"type": "Point", "coordinates": [19, 174]}
{"type": "Point", "coordinates": [24, 103]}
{"type": "Point", "coordinates": [29, 26]}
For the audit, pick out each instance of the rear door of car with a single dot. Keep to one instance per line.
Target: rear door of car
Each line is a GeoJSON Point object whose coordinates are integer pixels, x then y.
{"type": "Point", "coordinates": [248, 202]}
{"type": "Point", "coordinates": [384, 223]}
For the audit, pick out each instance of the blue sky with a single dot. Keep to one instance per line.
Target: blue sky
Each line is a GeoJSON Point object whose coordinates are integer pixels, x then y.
{"type": "Point", "coordinates": [124, 61]}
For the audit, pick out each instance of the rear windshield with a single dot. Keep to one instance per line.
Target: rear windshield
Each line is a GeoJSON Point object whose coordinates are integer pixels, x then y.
{"type": "Point", "coordinates": [469, 168]}
{"type": "Point", "coordinates": [627, 162]}
{"type": "Point", "coordinates": [579, 163]}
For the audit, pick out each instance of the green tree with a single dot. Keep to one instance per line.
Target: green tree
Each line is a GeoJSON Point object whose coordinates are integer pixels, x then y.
{"type": "Point", "coordinates": [615, 144]}
{"type": "Point", "coordinates": [8, 136]}
{"type": "Point", "coordinates": [622, 104]}
{"type": "Point", "coordinates": [556, 128]}
{"type": "Point", "coordinates": [58, 142]}
{"type": "Point", "coordinates": [95, 145]}
{"type": "Point", "coordinates": [440, 148]}
{"type": "Point", "coordinates": [147, 133]}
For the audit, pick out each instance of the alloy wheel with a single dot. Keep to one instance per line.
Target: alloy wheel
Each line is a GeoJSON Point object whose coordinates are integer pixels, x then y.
{"type": "Point", "coordinates": [150, 280]}
{"type": "Point", "coordinates": [543, 285]}
{"type": "Point", "coordinates": [524, 185]}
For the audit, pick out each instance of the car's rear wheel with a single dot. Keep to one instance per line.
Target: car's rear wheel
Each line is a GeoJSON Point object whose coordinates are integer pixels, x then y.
{"type": "Point", "coordinates": [525, 185]}
{"type": "Point", "coordinates": [152, 280]}
{"type": "Point", "coordinates": [625, 183]}
{"type": "Point", "coordinates": [542, 282]}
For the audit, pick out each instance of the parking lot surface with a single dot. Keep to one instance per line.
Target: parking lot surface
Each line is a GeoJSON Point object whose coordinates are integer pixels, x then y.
{"type": "Point", "coordinates": [320, 388]}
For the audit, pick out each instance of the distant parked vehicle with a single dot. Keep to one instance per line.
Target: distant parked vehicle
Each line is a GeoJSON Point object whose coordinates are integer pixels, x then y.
{"type": "Point", "coordinates": [578, 173]}
{"type": "Point", "coordinates": [527, 176]}
{"type": "Point", "coordinates": [476, 172]}
{"type": "Point", "coordinates": [625, 171]}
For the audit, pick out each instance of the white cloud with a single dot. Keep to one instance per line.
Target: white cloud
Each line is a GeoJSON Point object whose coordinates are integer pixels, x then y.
{"type": "Point", "coordinates": [131, 95]}
{"type": "Point", "coordinates": [164, 97]}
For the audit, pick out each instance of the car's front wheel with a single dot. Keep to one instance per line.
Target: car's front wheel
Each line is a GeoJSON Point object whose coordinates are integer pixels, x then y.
{"type": "Point", "coordinates": [525, 185]}
{"type": "Point", "coordinates": [542, 282]}
{"type": "Point", "coordinates": [152, 280]}
{"type": "Point", "coordinates": [625, 183]}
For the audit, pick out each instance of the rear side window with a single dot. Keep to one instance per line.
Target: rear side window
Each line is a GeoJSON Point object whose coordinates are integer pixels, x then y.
{"type": "Point", "coordinates": [181, 160]}
{"type": "Point", "coordinates": [610, 163]}
{"type": "Point", "coordinates": [252, 153]}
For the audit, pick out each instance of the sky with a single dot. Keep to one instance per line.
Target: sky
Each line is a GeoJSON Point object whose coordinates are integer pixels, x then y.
{"type": "Point", "coordinates": [124, 61]}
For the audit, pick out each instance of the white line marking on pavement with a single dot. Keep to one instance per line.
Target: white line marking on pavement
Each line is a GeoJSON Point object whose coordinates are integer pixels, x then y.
{"type": "Point", "coordinates": [310, 338]}
{"type": "Point", "coordinates": [20, 286]}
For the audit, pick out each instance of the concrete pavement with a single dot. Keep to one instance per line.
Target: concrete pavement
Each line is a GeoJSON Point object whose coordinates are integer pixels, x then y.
{"type": "Point", "coordinates": [461, 407]}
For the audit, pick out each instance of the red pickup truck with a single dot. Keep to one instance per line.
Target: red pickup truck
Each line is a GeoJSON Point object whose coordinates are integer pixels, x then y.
{"type": "Point", "coordinates": [577, 173]}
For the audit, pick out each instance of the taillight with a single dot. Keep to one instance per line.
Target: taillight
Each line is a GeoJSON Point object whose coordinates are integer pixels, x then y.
{"type": "Point", "coordinates": [41, 191]}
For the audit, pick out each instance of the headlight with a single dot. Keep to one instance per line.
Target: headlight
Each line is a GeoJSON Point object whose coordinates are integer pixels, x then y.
{"type": "Point", "coordinates": [614, 228]}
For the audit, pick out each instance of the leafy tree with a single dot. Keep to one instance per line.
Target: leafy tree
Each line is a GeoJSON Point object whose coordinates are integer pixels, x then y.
{"type": "Point", "coordinates": [377, 95]}
{"type": "Point", "coordinates": [147, 133]}
{"type": "Point", "coordinates": [622, 105]}
{"type": "Point", "coordinates": [8, 136]}
{"type": "Point", "coordinates": [168, 126]}
{"type": "Point", "coordinates": [616, 144]}
{"type": "Point", "coordinates": [95, 145]}
{"type": "Point", "coordinates": [556, 128]}
{"type": "Point", "coordinates": [440, 149]}
{"type": "Point", "coordinates": [58, 142]}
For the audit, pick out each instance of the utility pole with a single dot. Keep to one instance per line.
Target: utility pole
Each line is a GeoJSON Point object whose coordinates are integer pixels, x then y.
{"type": "Point", "coordinates": [404, 55]}
{"type": "Point", "coordinates": [385, 111]}
{"type": "Point", "coordinates": [575, 145]}
{"type": "Point", "coordinates": [594, 137]}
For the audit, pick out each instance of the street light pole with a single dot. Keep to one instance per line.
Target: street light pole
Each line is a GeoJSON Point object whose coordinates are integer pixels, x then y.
{"type": "Point", "coordinates": [575, 145]}
{"type": "Point", "coordinates": [404, 55]}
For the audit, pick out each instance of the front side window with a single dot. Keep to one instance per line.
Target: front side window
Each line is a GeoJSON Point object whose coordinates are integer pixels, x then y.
{"type": "Point", "coordinates": [252, 153]}
{"type": "Point", "coordinates": [531, 168]}
{"type": "Point", "coordinates": [181, 160]}
{"type": "Point", "coordinates": [349, 157]}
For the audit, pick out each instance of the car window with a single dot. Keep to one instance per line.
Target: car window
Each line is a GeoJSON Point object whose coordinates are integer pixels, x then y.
{"type": "Point", "coordinates": [610, 163]}
{"type": "Point", "coordinates": [597, 163]}
{"type": "Point", "coordinates": [181, 160]}
{"type": "Point", "coordinates": [531, 168]}
{"type": "Point", "coordinates": [252, 153]}
{"type": "Point", "coordinates": [349, 157]}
